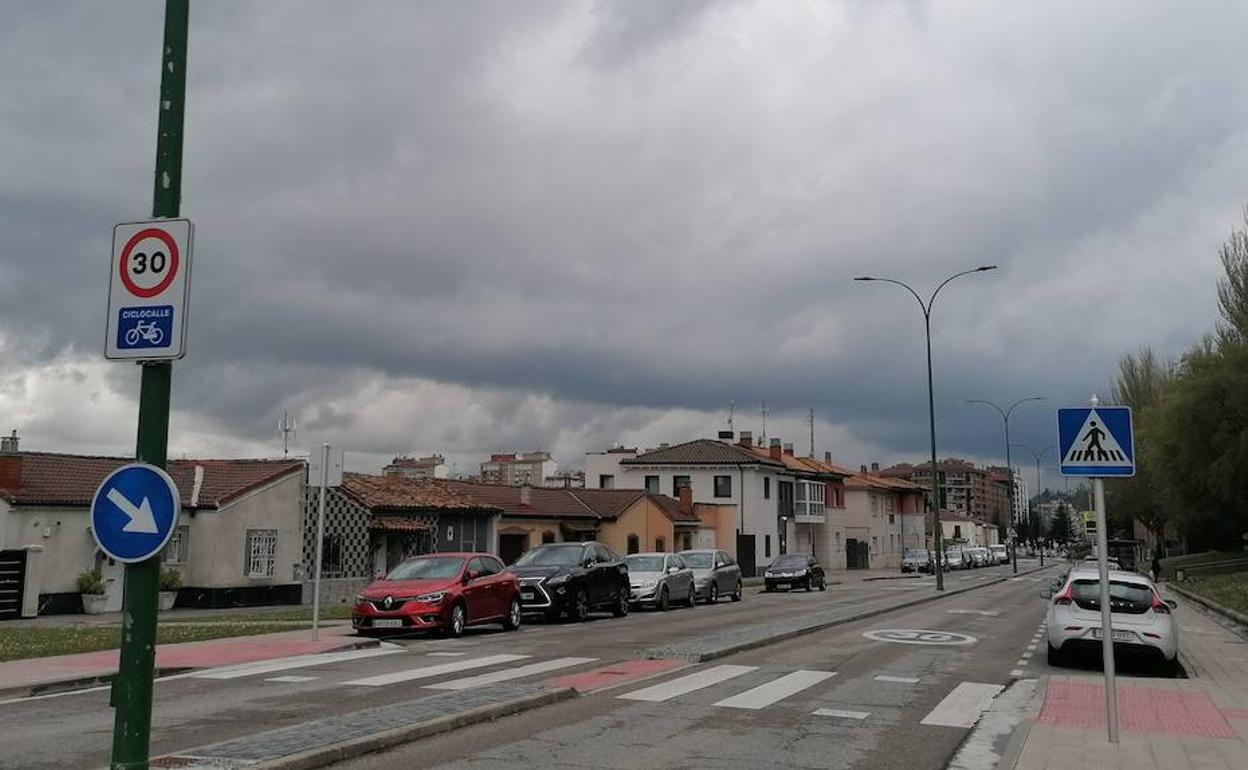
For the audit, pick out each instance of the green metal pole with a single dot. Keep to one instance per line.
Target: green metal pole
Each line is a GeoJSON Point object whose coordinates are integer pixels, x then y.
{"type": "Point", "coordinates": [132, 689]}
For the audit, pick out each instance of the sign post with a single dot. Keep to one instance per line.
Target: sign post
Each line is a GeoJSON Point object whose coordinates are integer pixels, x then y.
{"type": "Point", "coordinates": [326, 473]}
{"type": "Point", "coordinates": [1098, 441]}
{"type": "Point", "coordinates": [132, 688]}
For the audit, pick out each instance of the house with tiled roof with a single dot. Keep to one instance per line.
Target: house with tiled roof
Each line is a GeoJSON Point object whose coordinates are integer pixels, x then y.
{"type": "Point", "coordinates": [625, 520]}
{"type": "Point", "coordinates": [884, 516]}
{"type": "Point", "coordinates": [237, 541]}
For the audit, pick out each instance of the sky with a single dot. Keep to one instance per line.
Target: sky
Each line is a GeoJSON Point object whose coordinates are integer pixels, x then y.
{"type": "Point", "coordinates": [480, 227]}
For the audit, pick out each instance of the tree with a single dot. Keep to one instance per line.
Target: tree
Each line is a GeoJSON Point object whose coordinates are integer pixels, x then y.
{"type": "Point", "coordinates": [1233, 288]}
{"type": "Point", "coordinates": [1059, 525]}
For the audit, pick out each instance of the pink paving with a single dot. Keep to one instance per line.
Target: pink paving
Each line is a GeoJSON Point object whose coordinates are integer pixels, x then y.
{"type": "Point", "coordinates": [618, 673]}
{"type": "Point", "coordinates": [1140, 710]}
{"type": "Point", "coordinates": [34, 672]}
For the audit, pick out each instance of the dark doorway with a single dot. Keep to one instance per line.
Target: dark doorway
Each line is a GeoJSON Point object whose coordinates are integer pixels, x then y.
{"type": "Point", "coordinates": [512, 547]}
{"type": "Point", "coordinates": [12, 579]}
{"type": "Point", "coordinates": [857, 554]}
{"type": "Point", "coordinates": [746, 555]}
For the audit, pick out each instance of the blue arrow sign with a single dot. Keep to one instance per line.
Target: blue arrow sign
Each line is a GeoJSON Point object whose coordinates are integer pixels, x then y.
{"type": "Point", "coordinates": [134, 512]}
{"type": "Point", "coordinates": [1096, 441]}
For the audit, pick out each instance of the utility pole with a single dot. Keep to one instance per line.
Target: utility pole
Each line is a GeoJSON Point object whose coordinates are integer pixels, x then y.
{"type": "Point", "coordinates": [132, 688]}
{"type": "Point", "coordinates": [812, 431]}
{"type": "Point", "coordinates": [732, 407]}
{"type": "Point", "coordinates": [764, 433]}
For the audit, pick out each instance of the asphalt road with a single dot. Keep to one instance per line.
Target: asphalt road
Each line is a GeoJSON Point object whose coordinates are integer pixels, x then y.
{"type": "Point", "coordinates": [74, 730]}
{"type": "Point", "coordinates": [813, 702]}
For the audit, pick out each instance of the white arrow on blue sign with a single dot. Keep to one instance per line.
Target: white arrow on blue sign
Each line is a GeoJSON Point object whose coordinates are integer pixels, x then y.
{"type": "Point", "coordinates": [1096, 441]}
{"type": "Point", "coordinates": [134, 512]}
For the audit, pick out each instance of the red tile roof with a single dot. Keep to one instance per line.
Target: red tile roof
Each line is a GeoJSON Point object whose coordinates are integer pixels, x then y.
{"type": "Point", "coordinates": [397, 493]}
{"type": "Point", "coordinates": [703, 451]}
{"type": "Point", "coordinates": [62, 479]}
{"type": "Point", "coordinates": [397, 524]}
{"type": "Point", "coordinates": [871, 481]}
{"type": "Point", "coordinates": [559, 503]}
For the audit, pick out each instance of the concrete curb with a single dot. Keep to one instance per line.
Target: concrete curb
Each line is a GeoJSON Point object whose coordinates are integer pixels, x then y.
{"type": "Point", "coordinates": [342, 751]}
{"type": "Point", "coordinates": [782, 636]}
{"type": "Point", "coordinates": [87, 682]}
{"type": "Point", "coordinates": [1018, 739]}
{"type": "Point", "coordinates": [1208, 604]}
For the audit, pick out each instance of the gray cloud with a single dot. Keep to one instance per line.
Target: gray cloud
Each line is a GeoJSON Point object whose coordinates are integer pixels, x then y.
{"type": "Point", "coordinates": [568, 224]}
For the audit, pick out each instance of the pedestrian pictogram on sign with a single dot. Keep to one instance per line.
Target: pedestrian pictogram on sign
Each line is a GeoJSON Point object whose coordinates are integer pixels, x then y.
{"type": "Point", "coordinates": [149, 286]}
{"type": "Point", "coordinates": [1096, 441]}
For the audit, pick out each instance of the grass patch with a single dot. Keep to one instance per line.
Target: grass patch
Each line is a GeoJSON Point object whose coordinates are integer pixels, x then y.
{"type": "Point", "coordinates": [1229, 590]}
{"type": "Point", "coordinates": [20, 643]}
{"type": "Point", "coordinates": [292, 614]}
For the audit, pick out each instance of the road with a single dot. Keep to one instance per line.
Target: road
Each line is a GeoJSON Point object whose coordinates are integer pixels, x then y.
{"type": "Point", "coordinates": [602, 729]}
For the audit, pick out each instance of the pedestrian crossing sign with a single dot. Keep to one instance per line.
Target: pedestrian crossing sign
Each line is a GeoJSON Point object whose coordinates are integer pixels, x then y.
{"type": "Point", "coordinates": [1096, 441]}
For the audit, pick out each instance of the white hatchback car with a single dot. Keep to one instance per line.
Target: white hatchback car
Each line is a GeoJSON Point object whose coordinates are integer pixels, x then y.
{"type": "Point", "coordinates": [1142, 621]}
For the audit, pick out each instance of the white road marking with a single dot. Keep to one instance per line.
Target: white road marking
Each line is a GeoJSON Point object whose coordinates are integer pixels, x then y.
{"type": "Point", "coordinates": [509, 674]}
{"type": "Point", "coordinates": [1017, 673]}
{"type": "Point", "coordinates": [842, 714]}
{"type": "Point", "coordinates": [292, 679]}
{"type": "Point", "coordinates": [1031, 648]}
{"type": "Point", "coordinates": [901, 679]}
{"type": "Point", "coordinates": [963, 706]}
{"type": "Point", "coordinates": [989, 613]}
{"type": "Point", "coordinates": [776, 690]}
{"type": "Point", "coordinates": [427, 672]}
{"type": "Point", "coordinates": [1021, 663]}
{"type": "Point", "coordinates": [447, 654]}
{"type": "Point", "coordinates": [688, 683]}
{"type": "Point", "coordinates": [298, 661]}
{"type": "Point", "coordinates": [1027, 655]}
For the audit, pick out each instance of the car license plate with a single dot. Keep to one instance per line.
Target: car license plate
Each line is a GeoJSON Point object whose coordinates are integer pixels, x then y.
{"type": "Point", "coordinates": [1117, 636]}
{"type": "Point", "coordinates": [388, 623]}
{"type": "Point", "coordinates": [782, 585]}
{"type": "Point", "coordinates": [528, 595]}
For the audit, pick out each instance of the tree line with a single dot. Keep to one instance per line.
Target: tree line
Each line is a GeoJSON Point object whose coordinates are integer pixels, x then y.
{"type": "Point", "coordinates": [1191, 426]}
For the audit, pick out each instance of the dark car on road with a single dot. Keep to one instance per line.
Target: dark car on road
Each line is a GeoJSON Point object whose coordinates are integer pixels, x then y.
{"type": "Point", "coordinates": [794, 570]}
{"type": "Point", "coordinates": [715, 574]}
{"type": "Point", "coordinates": [916, 560]}
{"type": "Point", "coordinates": [572, 578]}
{"type": "Point", "coordinates": [444, 592]}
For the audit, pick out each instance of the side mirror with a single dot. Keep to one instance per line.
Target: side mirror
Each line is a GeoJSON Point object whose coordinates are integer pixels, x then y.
{"type": "Point", "coordinates": [1171, 603]}
{"type": "Point", "coordinates": [589, 562]}
{"type": "Point", "coordinates": [469, 576]}
{"type": "Point", "coordinates": [673, 570]}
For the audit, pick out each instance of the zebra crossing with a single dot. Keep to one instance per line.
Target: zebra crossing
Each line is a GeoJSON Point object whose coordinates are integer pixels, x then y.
{"type": "Point", "coordinates": [762, 687]}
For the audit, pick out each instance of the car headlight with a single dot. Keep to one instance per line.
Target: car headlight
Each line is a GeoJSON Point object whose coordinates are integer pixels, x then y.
{"type": "Point", "coordinates": [558, 580]}
{"type": "Point", "coordinates": [359, 599]}
{"type": "Point", "coordinates": [434, 598]}
{"type": "Point", "coordinates": [647, 584]}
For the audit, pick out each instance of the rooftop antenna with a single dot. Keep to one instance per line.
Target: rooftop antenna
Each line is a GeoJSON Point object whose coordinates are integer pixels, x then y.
{"type": "Point", "coordinates": [732, 407]}
{"type": "Point", "coordinates": [287, 427]}
{"type": "Point", "coordinates": [812, 431]}
{"type": "Point", "coordinates": [764, 436]}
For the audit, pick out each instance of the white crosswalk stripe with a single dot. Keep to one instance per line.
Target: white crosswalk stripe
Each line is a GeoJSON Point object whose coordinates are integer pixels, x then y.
{"type": "Point", "coordinates": [900, 679]}
{"type": "Point", "coordinates": [839, 714]}
{"type": "Point", "coordinates": [776, 690]}
{"type": "Point", "coordinates": [963, 706]}
{"type": "Point", "coordinates": [300, 661]}
{"type": "Point", "coordinates": [428, 672]}
{"type": "Point", "coordinates": [507, 675]}
{"type": "Point", "coordinates": [292, 679]}
{"type": "Point", "coordinates": [688, 683]}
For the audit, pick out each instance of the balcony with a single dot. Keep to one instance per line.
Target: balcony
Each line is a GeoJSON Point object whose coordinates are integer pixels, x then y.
{"type": "Point", "coordinates": [809, 513]}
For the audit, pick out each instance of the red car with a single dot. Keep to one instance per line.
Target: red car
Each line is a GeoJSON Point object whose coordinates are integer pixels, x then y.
{"type": "Point", "coordinates": [444, 592]}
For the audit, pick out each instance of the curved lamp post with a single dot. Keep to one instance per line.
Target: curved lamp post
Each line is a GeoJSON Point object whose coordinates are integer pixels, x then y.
{"type": "Point", "coordinates": [1038, 457]}
{"type": "Point", "coordinates": [1009, 469]}
{"type": "Point", "coordinates": [931, 402]}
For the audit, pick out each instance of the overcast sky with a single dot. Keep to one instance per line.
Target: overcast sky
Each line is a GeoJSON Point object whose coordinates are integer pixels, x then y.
{"type": "Point", "coordinates": [474, 227]}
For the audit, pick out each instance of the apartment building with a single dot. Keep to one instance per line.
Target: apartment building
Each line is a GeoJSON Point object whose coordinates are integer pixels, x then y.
{"type": "Point", "coordinates": [431, 467]}
{"type": "Point", "coordinates": [515, 469]}
{"type": "Point", "coordinates": [965, 488]}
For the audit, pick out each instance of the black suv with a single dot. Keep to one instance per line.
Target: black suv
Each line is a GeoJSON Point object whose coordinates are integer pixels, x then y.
{"type": "Point", "coordinates": [575, 578]}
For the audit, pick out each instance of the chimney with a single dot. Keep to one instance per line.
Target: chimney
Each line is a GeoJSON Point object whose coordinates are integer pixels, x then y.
{"type": "Point", "coordinates": [8, 444]}
{"type": "Point", "coordinates": [862, 469]}
{"type": "Point", "coordinates": [775, 449]}
{"type": "Point", "coordinates": [686, 501]}
{"type": "Point", "coordinates": [827, 458]}
{"type": "Point", "coordinates": [10, 463]}
{"type": "Point", "coordinates": [747, 439]}
{"type": "Point", "coordinates": [526, 494]}
{"type": "Point", "coordinates": [788, 449]}
{"type": "Point", "coordinates": [725, 435]}
{"type": "Point", "coordinates": [875, 467]}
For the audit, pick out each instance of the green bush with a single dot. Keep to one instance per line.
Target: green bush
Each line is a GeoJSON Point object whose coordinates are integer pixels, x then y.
{"type": "Point", "coordinates": [91, 582]}
{"type": "Point", "coordinates": [170, 580]}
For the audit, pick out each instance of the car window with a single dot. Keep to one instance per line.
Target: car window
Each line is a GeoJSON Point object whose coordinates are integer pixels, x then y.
{"type": "Point", "coordinates": [475, 566]}
{"type": "Point", "coordinates": [490, 565]}
{"type": "Point", "coordinates": [427, 567]}
{"type": "Point", "coordinates": [678, 562]}
{"type": "Point", "coordinates": [638, 563]}
{"type": "Point", "coordinates": [702, 560]}
{"type": "Point", "coordinates": [601, 554]}
{"type": "Point", "coordinates": [552, 556]}
{"type": "Point", "coordinates": [789, 560]}
{"type": "Point", "coordinates": [1123, 596]}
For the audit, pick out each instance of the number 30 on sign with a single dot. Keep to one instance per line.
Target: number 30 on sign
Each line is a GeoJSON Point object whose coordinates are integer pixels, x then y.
{"type": "Point", "coordinates": [148, 289]}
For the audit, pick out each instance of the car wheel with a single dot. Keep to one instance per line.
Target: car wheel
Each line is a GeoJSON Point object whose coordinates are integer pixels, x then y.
{"type": "Point", "coordinates": [459, 620]}
{"type": "Point", "coordinates": [514, 616]}
{"type": "Point", "coordinates": [823, 583]}
{"type": "Point", "coordinates": [736, 595]}
{"type": "Point", "coordinates": [810, 584]}
{"type": "Point", "coordinates": [1055, 656]}
{"type": "Point", "coordinates": [692, 601]}
{"type": "Point", "coordinates": [712, 596]}
{"type": "Point", "coordinates": [579, 611]}
{"type": "Point", "coordinates": [1170, 668]}
{"type": "Point", "coordinates": [621, 604]}
{"type": "Point", "coordinates": [664, 600]}
{"type": "Point", "coordinates": [769, 588]}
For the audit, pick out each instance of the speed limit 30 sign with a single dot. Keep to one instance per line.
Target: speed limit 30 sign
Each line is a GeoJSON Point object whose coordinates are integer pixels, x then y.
{"type": "Point", "coordinates": [148, 290]}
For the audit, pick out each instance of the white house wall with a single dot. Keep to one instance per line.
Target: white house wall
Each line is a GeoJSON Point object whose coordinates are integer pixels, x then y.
{"type": "Point", "coordinates": [217, 542]}
{"type": "Point", "coordinates": [64, 533]}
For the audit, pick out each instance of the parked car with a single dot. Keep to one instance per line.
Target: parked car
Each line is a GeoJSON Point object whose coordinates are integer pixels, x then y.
{"type": "Point", "coordinates": [572, 578]}
{"type": "Point", "coordinates": [1001, 553]}
{"type": "Point", "coordinates": [793, 570]}
{"type": "Point", "coordinates": [1142, 620]}
{"type": "Point", "coordinates": [658, 579]}
{"type": "Point", "coordinates": [916, 560]}
{"type": "Point", "coordinates": [444, 592]}
{"type": "Point", "coordinates": [715, 574]}
{"type": "Point", "coordinates": [982, 557]}
{"type": "Point", "coordinates": [956, 557]}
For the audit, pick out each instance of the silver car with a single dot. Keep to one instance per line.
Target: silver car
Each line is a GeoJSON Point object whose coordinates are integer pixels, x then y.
{"type": "Point", "coordinates": [658, 579]}
{"type": "Point", "coordinates": [715, 574]}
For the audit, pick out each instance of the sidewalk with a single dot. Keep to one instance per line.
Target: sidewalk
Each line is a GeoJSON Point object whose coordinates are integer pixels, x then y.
{"type": "Point", "coordinates": [1200, 722]}
{"type": "Point", "coordinates": [33, 675]}
{"type": "Point", "coordinates": [166, 616]}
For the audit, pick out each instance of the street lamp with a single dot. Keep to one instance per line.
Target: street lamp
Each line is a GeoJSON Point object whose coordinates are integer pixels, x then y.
{"type": "Point", "coordinates": [1038, 458]}
{"type": "Point", "coordinates": [931, 401]}
{"type": "Point", "coordinates": [1009, 469]}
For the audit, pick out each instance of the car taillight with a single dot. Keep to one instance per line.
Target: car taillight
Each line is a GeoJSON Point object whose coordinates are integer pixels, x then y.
{"type": "Point", "coordinates": [1063, 598]}
{"type": "Point", "coordinates": [1159, 606]}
